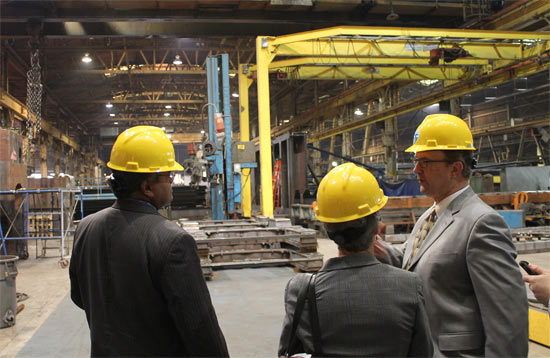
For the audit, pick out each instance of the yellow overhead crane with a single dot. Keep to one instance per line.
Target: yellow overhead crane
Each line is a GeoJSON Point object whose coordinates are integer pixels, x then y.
{"type": "Point", "coordinates": [384, 53]}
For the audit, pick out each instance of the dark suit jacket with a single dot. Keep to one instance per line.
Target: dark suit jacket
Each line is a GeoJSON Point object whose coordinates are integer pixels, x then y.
{"type": "Point", "coordinates": [138, 277]}
{"type": "Point", "coordinates": [475, 298]}
{"type": "Point", "coordinates": [364, 308]}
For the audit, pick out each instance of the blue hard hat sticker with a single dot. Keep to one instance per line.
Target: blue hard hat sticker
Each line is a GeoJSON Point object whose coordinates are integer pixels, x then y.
{"type": "Point", "coordinates": [415, 138]}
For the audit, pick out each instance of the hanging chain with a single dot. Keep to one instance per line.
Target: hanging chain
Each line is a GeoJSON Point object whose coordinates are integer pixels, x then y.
{"type": "Point", "coordinates": [34, 98]}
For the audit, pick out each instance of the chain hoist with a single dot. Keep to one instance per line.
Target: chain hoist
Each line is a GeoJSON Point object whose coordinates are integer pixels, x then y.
{"type": "Point", "coordinates": [34, 98]}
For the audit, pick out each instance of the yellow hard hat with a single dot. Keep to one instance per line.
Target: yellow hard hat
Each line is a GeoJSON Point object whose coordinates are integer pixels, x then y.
{"type": "Point", "coordinates": [347, 193]}
{"type": "Point", "coordinates": [442, 132]}
{"type": "Point", "coordinates": [143, 149]}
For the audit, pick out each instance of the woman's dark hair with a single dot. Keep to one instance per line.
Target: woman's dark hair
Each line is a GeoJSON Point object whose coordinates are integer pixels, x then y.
{"type": "Point", "coordinates": [356, 235]}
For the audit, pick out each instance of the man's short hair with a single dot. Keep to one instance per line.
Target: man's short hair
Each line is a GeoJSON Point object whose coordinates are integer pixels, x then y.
{"type": "Point", "coordinates": [124, 184]}
{"type": "Point", "coordinates": [356, 235]}
{"type": "Point", "coordinates": [464, 156]}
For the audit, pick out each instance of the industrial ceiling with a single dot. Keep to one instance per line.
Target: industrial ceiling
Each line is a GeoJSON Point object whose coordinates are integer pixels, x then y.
{"type": "Point", "coordinates": [133, 44]}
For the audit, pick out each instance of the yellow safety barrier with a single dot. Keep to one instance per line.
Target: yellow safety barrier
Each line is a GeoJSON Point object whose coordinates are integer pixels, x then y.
{"type": "Point", "coordinates": [539, 326]}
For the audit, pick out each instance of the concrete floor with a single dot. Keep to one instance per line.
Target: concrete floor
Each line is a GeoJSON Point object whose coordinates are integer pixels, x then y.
{"type": "Point", "coordinates": [248, 302]}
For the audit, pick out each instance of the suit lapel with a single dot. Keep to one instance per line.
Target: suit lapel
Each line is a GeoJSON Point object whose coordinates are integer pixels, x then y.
{"type": "Point", "coordinates": [441, 225]}
{"type": "Point", "coordinates": [410, 242]}
{"type": "Point", "coordinates": [439, 228]}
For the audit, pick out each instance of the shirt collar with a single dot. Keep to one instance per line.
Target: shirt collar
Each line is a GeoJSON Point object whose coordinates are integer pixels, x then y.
{"type": "Point", "coordinates": [443, 204]}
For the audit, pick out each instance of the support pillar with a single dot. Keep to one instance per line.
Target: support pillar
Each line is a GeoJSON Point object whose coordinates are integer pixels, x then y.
{"type": "Point", "coordinates": [246, 192]}
{"type": "Point", "coordinates": [346, 136]}
{"type": "Point", "coordinates": [263, 59]}
{"type": "Point", "coordinates": [389, 136]}
{"type": "Point", "coordinates": [368, 131]}
{"type": "Point", "coordinates": [43, 157]}
{"type": "Point", "coordinates": [57, 153]}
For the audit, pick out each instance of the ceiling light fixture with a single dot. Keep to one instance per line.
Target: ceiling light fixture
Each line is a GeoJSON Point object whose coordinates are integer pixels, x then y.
{"type": "Point", "coordinates": [392, 16]}
{"type": "Point", "coordinates": [109, 105]}
{"type": "Point", "coordinates": [358, 112]}
{"type": "Point", "coordinates": [115, 122]}
{"type": "Point", "coordinates": [168, 106]}
{"type": "Point", "coordinates": [111, 114]}
{"type": "Point", "coordinates": [177, 60]}
{"type": "Point", "coordinates": [86, 58]}
{"type": "Point", "coordinates": [235, 94]}
{"type": "Point", "coordinates": [166, 114]}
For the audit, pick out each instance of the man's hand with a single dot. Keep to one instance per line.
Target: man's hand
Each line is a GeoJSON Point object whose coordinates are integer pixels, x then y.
{"type": "Point", "coordinates": [379, 249]}
{"type": "Point", "coordinates": [539, 284]}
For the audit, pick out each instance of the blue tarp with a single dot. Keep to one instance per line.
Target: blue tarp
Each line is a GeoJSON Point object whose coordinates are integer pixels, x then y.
{"type": "Point", "coordinates": [405, 188]}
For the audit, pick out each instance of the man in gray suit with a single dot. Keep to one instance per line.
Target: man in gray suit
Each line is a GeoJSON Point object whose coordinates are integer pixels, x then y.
{"type": "Point", "coordinates": [364, 308]}
{"type": "Point", "coordinates": [463, 251]}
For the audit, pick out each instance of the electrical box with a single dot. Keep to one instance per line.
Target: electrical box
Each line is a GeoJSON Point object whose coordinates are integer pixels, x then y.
{"type": "Point", "coordinates": [243, 152]}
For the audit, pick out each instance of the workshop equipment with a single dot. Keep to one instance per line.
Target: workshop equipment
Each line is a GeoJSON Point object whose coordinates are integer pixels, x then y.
{"type": "Point", "coordinates": [8, 300]}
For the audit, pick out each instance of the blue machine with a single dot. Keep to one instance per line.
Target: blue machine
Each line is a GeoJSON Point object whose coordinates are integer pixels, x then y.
{"type": "Point", "coordinates": [221, 171]}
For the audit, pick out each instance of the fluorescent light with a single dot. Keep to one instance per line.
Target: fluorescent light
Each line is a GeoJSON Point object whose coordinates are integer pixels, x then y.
{"type": "Point", "coordinates": [286, 121]}
{"type": "Point", "coordinates": [202, 132]}
{"type": "Point", "coordinates": [177, 60]}
{"type": "Point", "coordinates": [358, 112]}
{"type": "Point", "coordinates": [235, 94]}
{"type": "Point", "coordinates": [111, 114]}
{"type": "Point", "coordinates": [86, 58]}
{"type": "Point", "coordinates": [335, 164]}
{"type": "Point", "coordinates": [166, 114]}
{"type": "Point", "coordinates": [168, 106]}
{"type": "Point", "coordinates": [163, 128]}
{"type": "Point", "coordinates": [109, 105]}
{"type": "Point", "coordinates": [115, 123]}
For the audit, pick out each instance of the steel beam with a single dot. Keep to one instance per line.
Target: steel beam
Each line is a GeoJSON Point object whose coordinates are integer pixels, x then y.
{"type": "Point", "coordinates": [139, 71]}
{"type": "Point", "coordinates": [244, 85]}
{"type": "Point", "coordinates": [490, 49]}
{"type": "Point", "coordinates": [171, 119]}
{"type": "Point", "coordinates": [145, 101]}
{"type": "Point", "coordinates": [519, 70]}
{"type": "Point", "coordinates": [524, 14]}
{"type": "Point", "coordinates": [434, 35]}
{"type": "Point", "coordinates": [263, 58]}
{"type": "Point", "coordinates": [361, 61]}
{"type": "Point", "coordinates": [362, 92]}
{"type": "Point", "coordinates": [20, 111]}
{"type": "Point", "coordinates": [361, 72]}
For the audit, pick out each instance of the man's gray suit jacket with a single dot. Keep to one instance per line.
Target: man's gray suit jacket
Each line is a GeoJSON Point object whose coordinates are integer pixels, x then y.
{"type": "Point", "coordinates": [475, 298]}
{"type": "Point", "coordinates": [365, 309]}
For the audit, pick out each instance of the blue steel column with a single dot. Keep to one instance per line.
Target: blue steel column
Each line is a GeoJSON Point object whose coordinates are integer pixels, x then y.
{"type": "Point", "coordinates": [228, 132]}
{"type": "Point", "coordinates": [217, 168]}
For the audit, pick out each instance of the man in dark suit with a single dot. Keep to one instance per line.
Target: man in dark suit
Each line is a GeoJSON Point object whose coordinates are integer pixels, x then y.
{"type": "Point", "coordinates": [136, 274]}
{"type": "Point", "coordinates": [463, 251]}
{"type": "Point", "coordinates": [364, 308]}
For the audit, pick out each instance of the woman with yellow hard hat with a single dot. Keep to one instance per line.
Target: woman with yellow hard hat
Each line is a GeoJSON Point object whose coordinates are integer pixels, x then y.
{"type": "Point", "coordinates": [355, 305]}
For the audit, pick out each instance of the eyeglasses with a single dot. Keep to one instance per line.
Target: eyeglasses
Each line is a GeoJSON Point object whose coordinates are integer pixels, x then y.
{"type": "Point", "coordinates": [423, 163]}
{"type": "Point", "coordinates": [169, 175]}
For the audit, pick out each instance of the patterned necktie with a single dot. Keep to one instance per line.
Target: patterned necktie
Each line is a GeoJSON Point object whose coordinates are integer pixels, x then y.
{"type": "Point", "coordinates": [421, 235]}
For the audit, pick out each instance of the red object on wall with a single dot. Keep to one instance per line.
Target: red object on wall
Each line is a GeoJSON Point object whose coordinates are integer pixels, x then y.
{"type": "Point", "coordinates": [220, 126]}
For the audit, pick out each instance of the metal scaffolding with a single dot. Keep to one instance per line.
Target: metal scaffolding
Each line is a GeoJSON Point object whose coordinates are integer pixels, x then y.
{"type": "Point", "coordinates": [45, 216]}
